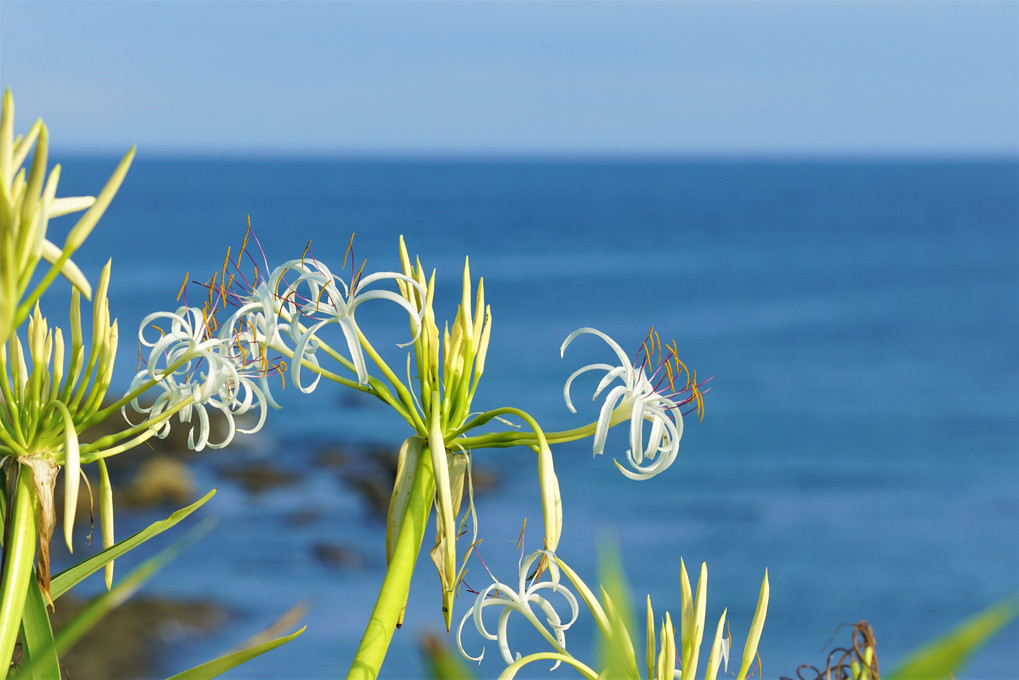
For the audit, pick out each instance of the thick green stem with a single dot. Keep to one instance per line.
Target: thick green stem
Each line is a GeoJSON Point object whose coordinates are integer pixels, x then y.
{"type": "Point", "coordinates": [396, 584]}
{"type": "Point", "coordinates": [19, 553]}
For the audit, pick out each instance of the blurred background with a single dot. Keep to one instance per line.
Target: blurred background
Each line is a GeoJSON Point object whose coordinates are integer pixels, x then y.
{"type": "Point", "coordinates": [817, 200]}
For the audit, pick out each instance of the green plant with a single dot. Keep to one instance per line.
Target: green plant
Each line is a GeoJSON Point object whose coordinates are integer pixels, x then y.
{"type": "Point", "coordinates": [52, 391]}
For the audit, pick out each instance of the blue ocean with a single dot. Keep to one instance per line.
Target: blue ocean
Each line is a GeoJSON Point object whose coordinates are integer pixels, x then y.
{"type": "Point", "coordinates": [859, 320]}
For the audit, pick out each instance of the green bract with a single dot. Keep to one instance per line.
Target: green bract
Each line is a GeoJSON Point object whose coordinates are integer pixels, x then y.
{"type": "Point", "coordinates": [46, 404]}
{"type": "Point", "coordinates": [27, 203]}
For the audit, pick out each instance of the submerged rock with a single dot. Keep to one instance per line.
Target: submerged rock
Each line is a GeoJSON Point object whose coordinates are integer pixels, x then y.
{"type": "Point", "coordinates": [337, 556]}
{"type": "Point", "coordinates": [257, 477]}
{"type": "Point", "coordinates": [160, 481]}
{"type": "Point", "coordinates": [304, 517]}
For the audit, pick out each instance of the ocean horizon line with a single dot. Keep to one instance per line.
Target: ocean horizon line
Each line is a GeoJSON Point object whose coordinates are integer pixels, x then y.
{"type": "Point", "coordinates": [544, 158]}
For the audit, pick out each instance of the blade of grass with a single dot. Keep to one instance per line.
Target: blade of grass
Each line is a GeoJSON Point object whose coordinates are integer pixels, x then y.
{"type": "Point", "coordinates": [224, 663]}
{"type": "Point", "coordinates": [37, 637]}
{"type": "Point", "coordinates": [66, 579]}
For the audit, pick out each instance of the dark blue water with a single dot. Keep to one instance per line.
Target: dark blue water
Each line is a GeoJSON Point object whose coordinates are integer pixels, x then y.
{"type": "Point", "coordinates": [861, 322]}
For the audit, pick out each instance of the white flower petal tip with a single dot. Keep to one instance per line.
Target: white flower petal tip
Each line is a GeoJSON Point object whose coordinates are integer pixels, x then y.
{"type": "Point", "coordinates": [652, 390]}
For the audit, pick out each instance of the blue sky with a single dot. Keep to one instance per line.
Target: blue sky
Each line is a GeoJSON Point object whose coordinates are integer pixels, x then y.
{"type": "Point", "coordinates": [670, 78]}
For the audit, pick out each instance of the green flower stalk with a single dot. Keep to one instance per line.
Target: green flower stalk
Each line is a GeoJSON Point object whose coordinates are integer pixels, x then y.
{"type": "Point", "coordinates": [448, 373]}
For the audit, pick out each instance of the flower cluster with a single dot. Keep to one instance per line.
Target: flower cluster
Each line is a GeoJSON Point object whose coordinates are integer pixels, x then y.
{"type": "Point", "coordinates": [52, 385]}
{"type": "Point", "coordinates": [200, 364]}
{"type": "Point", "coordinates": [275, 323]}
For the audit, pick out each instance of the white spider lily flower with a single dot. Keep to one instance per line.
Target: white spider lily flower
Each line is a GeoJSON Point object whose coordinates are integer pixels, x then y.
{"type": "Point", "coordinates": [197, 370]}
{"type": "Point", "coordinates": [524, 599]}
{"type": "Point", "coordinates": [647, 396]}
{"type": "Point", "coordinates": [321, 297]}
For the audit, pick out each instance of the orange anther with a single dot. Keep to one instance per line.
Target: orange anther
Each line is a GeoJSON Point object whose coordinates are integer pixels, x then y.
{"type": "Point", "coordinates": [205, 320]}
{"type": "Point", "coordinates": [244, 243]}
{"type": "Point", "coordinates": [183, 286]}
{"type": "Point", "coordinates": [353, 283]}
{"type": "Point", "coordinates": [318, 298]}
{"type": "Point", "coordinates": [211, 286]}
{"type": "Point", "coordinates": [680, 364]}
{"type": "Point", "coordinates": [350, 248]}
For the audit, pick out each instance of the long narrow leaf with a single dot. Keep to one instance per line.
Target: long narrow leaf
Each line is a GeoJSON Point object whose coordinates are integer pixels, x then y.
{"type": "Point", "coordinates": [946, 655]}
{"type": "Point", "coordinates": [66, 579]}
{"type": "Point", "coordinates": [87, 619]}
{"type": "Point", "coordinates": [37, 637]}
{"type": "Point", "coordinates": [221, 665]}
{"type": "Point", "coordinates": [756, 626]}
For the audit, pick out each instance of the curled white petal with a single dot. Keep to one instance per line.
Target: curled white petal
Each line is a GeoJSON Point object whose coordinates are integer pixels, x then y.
{"type": "Point", "coordinates": [314, 293]}
{"type": "Point", "coordinates": [636, 396]}
{"type": "Point", "coordinates": [529, 600]}
{"type": "Point", "coordinates": [195, 371]}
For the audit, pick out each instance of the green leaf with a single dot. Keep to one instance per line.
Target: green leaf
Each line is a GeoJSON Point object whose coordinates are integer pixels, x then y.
{"type": "Point", "coordinates": [946, 655]}
{"type": "Point", "coordinates": [37, 637]}
{"type": "Point", "coordinates": [102, 605]}
{"type": "Point", "coordinates": [224, 663]}
{"type": "Point", "coordinates": [66, 579]}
